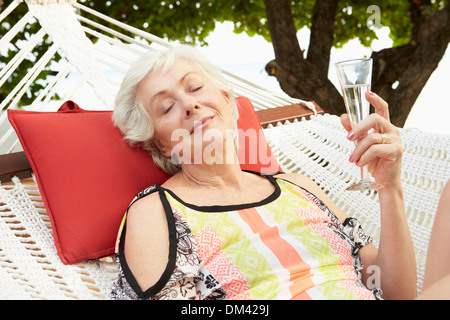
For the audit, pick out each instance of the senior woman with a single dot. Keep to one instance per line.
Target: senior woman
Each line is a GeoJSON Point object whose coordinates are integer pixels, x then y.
{"type": "Point", "coordinates": [214, 231]}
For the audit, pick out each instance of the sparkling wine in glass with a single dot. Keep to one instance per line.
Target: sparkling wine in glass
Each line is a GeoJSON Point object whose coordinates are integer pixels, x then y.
{"type": "Point", "coordinates": [355, 77]}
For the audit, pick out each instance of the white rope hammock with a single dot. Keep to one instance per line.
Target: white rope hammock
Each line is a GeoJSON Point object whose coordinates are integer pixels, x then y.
{"type": "Point", "coordinates": [29, 265]}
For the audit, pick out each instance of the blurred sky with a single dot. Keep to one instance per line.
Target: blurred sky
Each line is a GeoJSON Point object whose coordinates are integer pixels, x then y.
{"type": "Point", "coordinates": [247, 56]}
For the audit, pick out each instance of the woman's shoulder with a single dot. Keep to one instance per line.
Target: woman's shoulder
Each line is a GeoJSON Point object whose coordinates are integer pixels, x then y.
{"type": "Point", "coordinates": [308, 184]}
{"type": "Point", "coordinates": [147, 191]}
{"type": "Point", "coordinates": [300, 180]}
{"type": "Point", "coordinates": [145, 204]}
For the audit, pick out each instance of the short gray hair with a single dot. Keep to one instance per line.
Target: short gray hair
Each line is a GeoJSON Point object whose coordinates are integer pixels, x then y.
{"type": "Point", "coordinates": [129, 113]}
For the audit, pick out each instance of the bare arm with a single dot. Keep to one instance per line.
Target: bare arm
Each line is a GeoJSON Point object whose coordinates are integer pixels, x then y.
{"type": "Point", "coordinates": [438, 257]}
{"type": "Point", "coordinates": [396, 258]}
{"type": "Point", "coordinates": [147, 240]}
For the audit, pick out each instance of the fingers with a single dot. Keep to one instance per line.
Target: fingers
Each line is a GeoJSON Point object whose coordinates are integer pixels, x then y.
{"type": "Point", "coordinates": [388, 152]}
{"type": "Point", "coordinates": [373, 122]}
{"type": "Point", "coordinates": [374, 136]}
{"type": "Point", "coordinates": [376, 145]}
{"type": "Point", "coordinates": [381, 107]}
{"type": "Point", "coordinates": [345, 120]}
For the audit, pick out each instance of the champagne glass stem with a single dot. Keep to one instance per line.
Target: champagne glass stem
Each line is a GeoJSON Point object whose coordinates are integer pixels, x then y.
{"type": "Point", "coordinates": [364, 173]}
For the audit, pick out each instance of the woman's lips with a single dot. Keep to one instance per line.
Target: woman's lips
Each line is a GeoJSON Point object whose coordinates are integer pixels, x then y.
{"type": "Point", "coordinates": [201, 123]}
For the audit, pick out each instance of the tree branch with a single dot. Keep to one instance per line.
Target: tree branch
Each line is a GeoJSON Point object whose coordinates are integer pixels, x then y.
{"type": "Point", "coordinates": [283, 31]}
{"type": "Point", "coordinates": [322, 30]}
{"type": "Point", "coordinates": [416, 9]}
{"type": "Point", "coordinates": [388, 66]}
{"type": "Point", "coordinates": [432, 41]}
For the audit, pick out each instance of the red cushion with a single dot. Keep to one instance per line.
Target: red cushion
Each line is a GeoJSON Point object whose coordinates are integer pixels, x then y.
{"type": "Point", "coordinates": [87, 174]}
{"type": "Point", "coordinates": [254, 152]}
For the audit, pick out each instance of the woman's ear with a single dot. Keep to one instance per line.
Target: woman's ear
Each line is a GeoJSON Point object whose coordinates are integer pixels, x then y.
{"type": "Point", "coordinates": [162, 148]}
{"type": "Point", "coordinates": [226, 96]}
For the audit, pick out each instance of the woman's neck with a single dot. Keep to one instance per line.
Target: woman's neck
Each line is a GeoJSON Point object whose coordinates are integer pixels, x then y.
{"type": "Point", "coordinates": [214, 175]}
{"type": "Point", "coordinates": [219, 168]}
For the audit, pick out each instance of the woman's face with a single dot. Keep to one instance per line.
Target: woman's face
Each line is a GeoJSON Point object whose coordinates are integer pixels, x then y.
{"type": "Point", "coordinates": [185, 106]}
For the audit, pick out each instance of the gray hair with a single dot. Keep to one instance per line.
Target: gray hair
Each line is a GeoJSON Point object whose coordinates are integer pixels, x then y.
{"type": "Point", "coordinates": [129, 113]}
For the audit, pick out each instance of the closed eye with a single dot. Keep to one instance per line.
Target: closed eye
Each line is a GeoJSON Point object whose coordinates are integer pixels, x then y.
{"type": "Point", "coordinates": [196, 89]}
{"type": "Point", "coordinates": [167, 109]}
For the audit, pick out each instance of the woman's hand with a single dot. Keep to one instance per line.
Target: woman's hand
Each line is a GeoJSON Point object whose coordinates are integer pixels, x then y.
{"type": "Point", "coordinates": [381, 149]}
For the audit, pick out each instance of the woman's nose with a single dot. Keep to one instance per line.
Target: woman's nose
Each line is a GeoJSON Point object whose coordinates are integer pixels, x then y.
{"type": "Point", "coordinates": [190, 108]}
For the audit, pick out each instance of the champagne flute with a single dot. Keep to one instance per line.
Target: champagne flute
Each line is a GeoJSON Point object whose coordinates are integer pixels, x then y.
{"type": "Point", "coordinates": [355, 77]}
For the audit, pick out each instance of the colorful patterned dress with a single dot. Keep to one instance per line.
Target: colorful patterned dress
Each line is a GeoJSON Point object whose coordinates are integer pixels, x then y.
{"type": "Point", "coordinates": [287, 246]}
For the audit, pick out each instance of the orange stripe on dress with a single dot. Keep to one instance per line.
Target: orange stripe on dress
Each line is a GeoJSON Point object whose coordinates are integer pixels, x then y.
{"type": "Point", "coordinates": [287, 255]}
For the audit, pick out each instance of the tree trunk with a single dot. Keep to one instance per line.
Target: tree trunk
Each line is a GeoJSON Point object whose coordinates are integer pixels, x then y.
{"type": "Point", "coordinates": [300, 77]}
{"type": "Point", "coordinates": [399, 73]}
